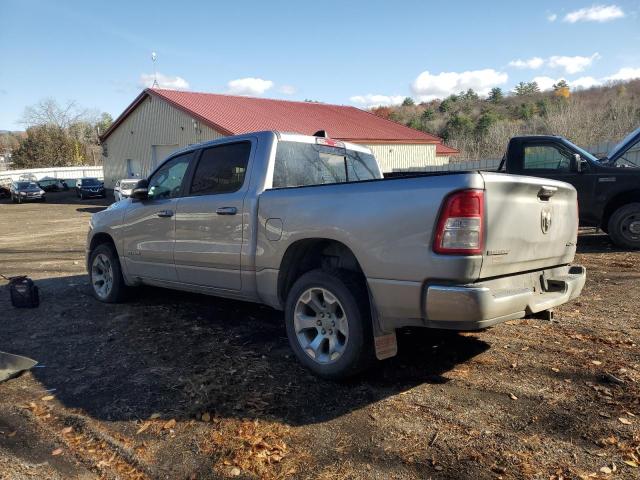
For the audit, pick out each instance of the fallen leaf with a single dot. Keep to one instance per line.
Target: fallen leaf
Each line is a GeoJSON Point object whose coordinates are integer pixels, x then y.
{"type": "Point", "coordinates": [206, 417]}
{"type": "Point", "coordinates": [67, 430]}
{"type": "Point", "coordinates": [631, 463]}
{"type": "Point", "coordinates": [47, 398]}
{"type": "Point", "coordinates": [596, 362]}
{"type": "Point", "coordinates": [512, 396]}
{"type": "Point", "coordinates": [56, 452]}
{"type": "Point", "coordinates": [154, 416]}
{"type": "Point", "coordinates": [144, 426]}
{"type": "Point", "coordinates": [235, 471]}
{"type": "Point", "coordinates": [605, 470]}
{"type": "Point", "coordinates": [170, 424]}
{"type": "Point", "coordinates": [624, 421]}
{"type": "Point", "coordinates": [555, 369]}
{"type": "Point", "coordinates": [12, 434]}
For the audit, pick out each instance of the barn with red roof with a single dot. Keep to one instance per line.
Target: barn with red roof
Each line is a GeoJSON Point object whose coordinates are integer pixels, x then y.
{"type": "Point", "coordinates": [160, 121]}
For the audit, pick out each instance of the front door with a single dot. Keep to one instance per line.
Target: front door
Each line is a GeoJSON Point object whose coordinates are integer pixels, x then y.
{"type": "Point", "coordinates": [210, 218]}
{"type": "Point", "coordinates": [551, 160]}
{"type": "Point", "coordinates": [149, 225]}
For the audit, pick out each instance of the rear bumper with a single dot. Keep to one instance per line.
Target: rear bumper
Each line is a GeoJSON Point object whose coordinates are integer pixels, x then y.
{"type": "Point", "coordinates": [483, 304]}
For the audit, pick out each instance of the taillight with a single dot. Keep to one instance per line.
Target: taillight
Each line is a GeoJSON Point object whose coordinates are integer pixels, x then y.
{"type": "Point", "coordinates": [460, 226]}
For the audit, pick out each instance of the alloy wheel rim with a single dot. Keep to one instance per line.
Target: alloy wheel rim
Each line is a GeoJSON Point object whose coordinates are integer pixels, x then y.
{"type": "Point", "coordinates": [321, 325]}
{"type": "Point", "coordinates": [102, 275]}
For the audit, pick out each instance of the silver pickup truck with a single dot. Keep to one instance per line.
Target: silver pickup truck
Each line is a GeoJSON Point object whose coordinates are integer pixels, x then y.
{"type": "Point", "coordinates": [308, 225]}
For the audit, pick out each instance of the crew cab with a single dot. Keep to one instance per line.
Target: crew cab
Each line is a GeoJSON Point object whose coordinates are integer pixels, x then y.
{"type": "Point", "coordinates": [608, 188]}
{"type": "Point", "coordinates": [308, 225]}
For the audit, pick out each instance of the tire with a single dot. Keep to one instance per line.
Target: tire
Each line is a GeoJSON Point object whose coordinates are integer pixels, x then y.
{"type": "Point", "coordinates": [356, 347]}
{"type": "Point", "coordinates": [104, 265]}
{"type": "Point", "coordinates": [624, 226]}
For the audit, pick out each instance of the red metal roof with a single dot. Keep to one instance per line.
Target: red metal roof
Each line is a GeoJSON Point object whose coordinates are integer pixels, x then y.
{"type": "Point", "coordinates": [442, 149]}
{"type": "Point", "coordinates": [232, 115]}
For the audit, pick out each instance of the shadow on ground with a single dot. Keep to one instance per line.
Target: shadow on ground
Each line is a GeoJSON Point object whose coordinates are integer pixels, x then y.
{"type": "Point", "coordinates": [180, 354]}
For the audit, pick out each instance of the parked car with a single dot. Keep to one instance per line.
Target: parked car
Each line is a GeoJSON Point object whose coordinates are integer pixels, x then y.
{"type": "Point", "coordinates": [53, 185]}
{"type": "Point", "coordinates": [89, 187]}
{"type": "Point", "coordinates": [309, 226]}
{"type": "Point", "coordinates": [124, 187]}
{"type": "Point", "coordinates": [25, 191]}
{"type": "Point", "coordinates": [608, 188]}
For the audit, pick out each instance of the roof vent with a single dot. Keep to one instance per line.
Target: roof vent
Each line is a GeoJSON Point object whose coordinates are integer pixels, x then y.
{"type": "Point", "coordinates": [321, 133]}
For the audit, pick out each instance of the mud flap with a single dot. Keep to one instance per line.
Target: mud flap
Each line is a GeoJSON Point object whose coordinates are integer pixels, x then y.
{"type": "Point", "coordinates": [385, 342]}
{"type": "Point", "coordinates": [12, 365]}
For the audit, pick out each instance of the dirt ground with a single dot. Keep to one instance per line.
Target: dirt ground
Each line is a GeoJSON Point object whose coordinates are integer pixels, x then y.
{"type": "Point", "coordinates": [179, 386]}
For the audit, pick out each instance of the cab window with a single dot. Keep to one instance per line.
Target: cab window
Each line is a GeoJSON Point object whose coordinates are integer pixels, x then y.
{"type": "Point", "coordinates": [221, 169]}
{"type": "Point", "coordinates": [546, 157]}
{"type": "Point", "coordinates": [166, 182]}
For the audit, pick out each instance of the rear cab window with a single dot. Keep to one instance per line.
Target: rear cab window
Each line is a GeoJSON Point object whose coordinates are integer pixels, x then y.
{"type": "Point", "coordinates": [300, 164]}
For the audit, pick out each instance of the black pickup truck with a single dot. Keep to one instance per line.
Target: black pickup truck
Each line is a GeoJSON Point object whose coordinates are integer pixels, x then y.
{"type": "Point", "coordinates": [608, 188]}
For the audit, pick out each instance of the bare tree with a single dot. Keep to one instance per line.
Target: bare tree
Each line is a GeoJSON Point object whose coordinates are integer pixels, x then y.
{"type": "Point", "coordinates": [49, 112]}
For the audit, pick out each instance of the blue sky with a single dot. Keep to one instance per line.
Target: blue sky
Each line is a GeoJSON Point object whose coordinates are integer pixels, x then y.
{"type": "Point", "coordinates": [361, 53]}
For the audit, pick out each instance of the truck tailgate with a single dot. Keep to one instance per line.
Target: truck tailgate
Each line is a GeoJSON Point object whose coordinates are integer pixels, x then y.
{"type": "Point", "coordinates": [531, 223]}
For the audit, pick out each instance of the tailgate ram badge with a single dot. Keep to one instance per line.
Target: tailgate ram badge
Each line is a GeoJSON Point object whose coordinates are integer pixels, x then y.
{"type": "Point", "coordinates": [545, 219]}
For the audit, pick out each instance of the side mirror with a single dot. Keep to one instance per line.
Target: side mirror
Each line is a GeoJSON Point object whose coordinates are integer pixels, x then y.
{"type": "Point", "coordinates": [141, 190]}
{"type": "Point", "coordinates": [576, 163]}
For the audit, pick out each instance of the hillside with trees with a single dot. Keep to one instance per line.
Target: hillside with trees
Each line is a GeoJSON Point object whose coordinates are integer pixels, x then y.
{"type": "Point", "coordinates": [481, 127]}
{"type": "Point", "coordinates": [56, 136]}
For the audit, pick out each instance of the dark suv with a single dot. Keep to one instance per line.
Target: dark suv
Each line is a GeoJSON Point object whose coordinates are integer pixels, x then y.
{"type": "Point", "coordinates": [90, 188]}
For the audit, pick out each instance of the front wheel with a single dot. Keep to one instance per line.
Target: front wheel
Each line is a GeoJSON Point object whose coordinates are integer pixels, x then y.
{"type": "Point", "coordinates": [105, 275]}
{"type": "Point", "coordinates": [624, 226]}
{"type": "Point", "coordinates": [328, 323]}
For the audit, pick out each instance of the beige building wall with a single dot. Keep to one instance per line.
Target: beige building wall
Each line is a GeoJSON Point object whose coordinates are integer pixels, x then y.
{"type": "Point", "coordinates": [153, 123]}
{"type": "Point", "coordinates": [395, 157]}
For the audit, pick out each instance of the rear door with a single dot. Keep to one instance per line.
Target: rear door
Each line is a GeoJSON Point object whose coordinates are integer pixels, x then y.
{"type": "Point", "coordinates": [210, 218]}
{"type": "Point", "coordinates": [530, 223]}
{"type": "Point", "coordinates": [149, 225]}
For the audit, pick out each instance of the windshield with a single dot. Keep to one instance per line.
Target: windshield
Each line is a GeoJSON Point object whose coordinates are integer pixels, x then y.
{"type": "Point", "coordinates": [300, 164]}
{"type": "Point", "coordinates": [26, 185]}
{"type": "Point", "coordinates": [583, 153]}
{"type": "Point", "coordinates": [91, 182]}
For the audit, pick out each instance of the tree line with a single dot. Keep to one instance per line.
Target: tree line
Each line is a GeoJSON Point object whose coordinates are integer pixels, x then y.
{"type": "Point", "coordinates": [57, 135]}
{"type": "Point", "coordinates": [481, 127]}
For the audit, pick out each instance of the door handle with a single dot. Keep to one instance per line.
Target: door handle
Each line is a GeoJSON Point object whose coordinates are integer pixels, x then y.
{"type": "Point", "coordinates": [545, 192]}
{"type": "Point", "coordinates": [227, 211]}
{"type": "Point", "coordinates": [165, 213]}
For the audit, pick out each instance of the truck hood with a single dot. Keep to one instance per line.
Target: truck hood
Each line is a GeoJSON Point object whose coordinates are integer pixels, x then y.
{"type": "Point", "coordinates": [621, 148]}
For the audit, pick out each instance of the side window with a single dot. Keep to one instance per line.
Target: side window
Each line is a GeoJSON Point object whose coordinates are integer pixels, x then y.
{"type": "Point", "coordinates": [221, 169]}
{"type": "Point", "coordinates": [546, 157]}
{"type": "Point", "coordinates": [167, 181]}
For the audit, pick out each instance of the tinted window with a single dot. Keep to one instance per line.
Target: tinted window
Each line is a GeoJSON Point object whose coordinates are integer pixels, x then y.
{"type": "Point", "coordinates": [91, 182]}
{"type": "Point", "coordinates": [546, 157]}
{"type": "Point", "coordinates": [221, 169]}
{"type": "Point", "coordinates": [298, 164]}
{"type": "Point", "coordinates": [167, 181]}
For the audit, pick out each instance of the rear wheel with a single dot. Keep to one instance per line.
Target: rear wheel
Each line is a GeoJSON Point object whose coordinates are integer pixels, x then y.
{"type": "Point", "coordinates": [328, 323]}
{"type": "Point", "coordinates": [624, 226]}
{"type": "Point", "coordinates": [105, 275]}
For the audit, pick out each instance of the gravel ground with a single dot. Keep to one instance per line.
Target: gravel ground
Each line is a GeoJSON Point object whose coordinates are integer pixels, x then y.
{"type": "Point", "coordinates": [172, 385]}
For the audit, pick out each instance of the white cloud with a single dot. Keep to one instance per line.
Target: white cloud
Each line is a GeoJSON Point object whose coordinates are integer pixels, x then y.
{"type": "Point", "coordinates": [532, 63]}
{"type": "Point", "coordinates": [249, 86]}
{"type": "Point", "coordinates": [596, 13]}
{"type": "Point", "coordinates": [584, 82]}
{"type": "Point", "coordinates": [287, 89]}
{"type": "Point", "coordinates": [164, 81]}
{"type": "Point", "coordinates": [372, 100]}
{"type": "Point", "coordinates": [572, 64]}
{"type": "Point", "coordinates": [427, 86]}
{"type": "Point", "coordinates": [545, 83]}
{"type": "Point", "coordinates": [552, 17]}
{"type": "Point", "coordinates": [626, 73]}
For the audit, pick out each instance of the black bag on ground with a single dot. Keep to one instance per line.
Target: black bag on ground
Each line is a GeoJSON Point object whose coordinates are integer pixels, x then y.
{"type": "Point", "coordinates": [24, 293]}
